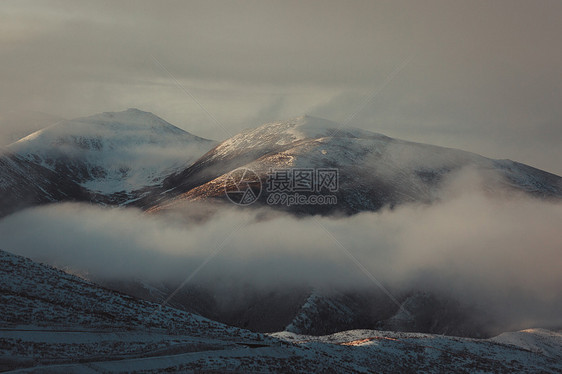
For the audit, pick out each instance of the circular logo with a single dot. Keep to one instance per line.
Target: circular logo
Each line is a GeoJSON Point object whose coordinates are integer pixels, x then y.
{"type": "Point", "coordinates": [243, 186]}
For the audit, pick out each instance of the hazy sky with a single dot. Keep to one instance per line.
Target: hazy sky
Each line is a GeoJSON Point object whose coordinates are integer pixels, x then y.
{"type": "Point", "coordinates": [485, 76]}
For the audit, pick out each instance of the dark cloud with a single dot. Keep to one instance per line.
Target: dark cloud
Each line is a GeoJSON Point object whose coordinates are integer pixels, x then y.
{"type": "Point", "coordinates": [485, 76]}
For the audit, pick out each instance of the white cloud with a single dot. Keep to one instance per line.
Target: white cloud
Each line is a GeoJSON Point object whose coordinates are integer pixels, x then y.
{"type": "Point", "coordinates": [501, 254]}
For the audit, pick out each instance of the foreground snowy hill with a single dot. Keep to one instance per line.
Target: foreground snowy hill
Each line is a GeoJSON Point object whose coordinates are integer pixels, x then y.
{"type": "Point", "coordinates": [115, 152]}
{"type": "Point", "coordinates": [51, 321]}
{"type": "Point", "coordinates": [374, 170]}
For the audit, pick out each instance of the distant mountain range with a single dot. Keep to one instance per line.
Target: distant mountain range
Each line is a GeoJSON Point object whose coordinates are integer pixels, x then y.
{"type": "Point", "coordinates": [136, 158]}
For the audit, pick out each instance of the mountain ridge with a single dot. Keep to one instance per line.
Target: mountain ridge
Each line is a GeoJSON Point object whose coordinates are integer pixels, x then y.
{"type": "Point", "coordinates": [375, 170]}
{"type": "Point", "coordinates": [136, 158]}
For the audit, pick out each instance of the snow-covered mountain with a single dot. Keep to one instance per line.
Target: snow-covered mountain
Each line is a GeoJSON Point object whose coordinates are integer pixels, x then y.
{"type": "Point", "coordinates": [51, 321]}
{"type": "Point", "coordinates": [134, 157]}
{"type": "Point", "coordinates": [112, 153]}
{"type": "Point", "coordinates": [374, 170]}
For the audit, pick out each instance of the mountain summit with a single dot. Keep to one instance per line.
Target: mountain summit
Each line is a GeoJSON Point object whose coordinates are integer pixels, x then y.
{"type": "Point", "coordinates": [114, 151]}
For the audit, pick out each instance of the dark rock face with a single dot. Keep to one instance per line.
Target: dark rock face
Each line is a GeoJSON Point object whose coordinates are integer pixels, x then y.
{"type": "Point", "coordinates": [313, 311]}
{"type": "Point", "coordinates": [25, 184]}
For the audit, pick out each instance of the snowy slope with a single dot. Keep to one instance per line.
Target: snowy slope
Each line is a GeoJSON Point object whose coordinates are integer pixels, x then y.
{"type": "Point", "coordinates": [38, 295]}
{"type": "Point", "coordinates": [384, 351]}
{"type": "Point", "coordinates": [374, 170]}
{"type": "Point", "coordinates": [542, 341]}
{"type": "Point", "coordinates": [63, 318]}
{"type": "Point", "coordinates": [113, 152]}
{"type": "Point", "coordinates": [51, 321]}
{"type": "Point", "coordinates": [24, 184]}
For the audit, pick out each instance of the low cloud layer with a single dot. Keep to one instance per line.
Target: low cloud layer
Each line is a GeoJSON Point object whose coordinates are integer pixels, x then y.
{"type": "Point", "coordinates": [499, 254]}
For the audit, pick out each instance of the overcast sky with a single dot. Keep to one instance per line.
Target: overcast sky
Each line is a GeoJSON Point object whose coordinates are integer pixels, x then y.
{"type": "Point", "coordinates": [484, 76]}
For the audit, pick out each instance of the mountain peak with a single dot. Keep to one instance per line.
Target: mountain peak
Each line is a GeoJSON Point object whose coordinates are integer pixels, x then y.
{"type": "Point", "coordinates": [113, 151]}
{"type": "Point", "coordinates": [283, 133]}
{"type": "Point", "coordinates": [132, 121]}
{"type": "Point", "coordinates": [308, 126]}
{"type": "Point", "coordinates": [131, 116]}
{"type": "Point", "coordinates": [314, 122]}
{"type": "Point", "coordinates": [126, 111]}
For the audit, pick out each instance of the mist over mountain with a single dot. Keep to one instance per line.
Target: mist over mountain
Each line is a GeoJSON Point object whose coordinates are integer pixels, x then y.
{"type": "Point", "coordinates": [419, 238]}
{"type": "Point", "coordinates": [374, 170]}
{"type": "Point", "coordinates": [136, 158]}
{"type": "Point", "coordinates": [107, 158]}
{"type": "Point", "coordinates": [113, 152]}
{"type": "Point", "coordinates": [470, 260]}
{"type": "Point", "coordinates": [295, 187]}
